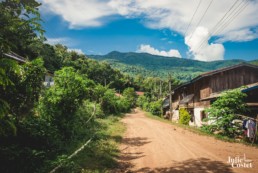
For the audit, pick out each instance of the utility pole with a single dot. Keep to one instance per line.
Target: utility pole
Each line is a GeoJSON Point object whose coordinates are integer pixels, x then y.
{"type": "Point", "coordinates": [160, 89]}
{"type": "Point", "coordinates": [170, 98]}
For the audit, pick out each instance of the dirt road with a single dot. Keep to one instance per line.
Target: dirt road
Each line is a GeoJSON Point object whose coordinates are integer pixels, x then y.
{"type": "Point", "coordinates": [153, 146]}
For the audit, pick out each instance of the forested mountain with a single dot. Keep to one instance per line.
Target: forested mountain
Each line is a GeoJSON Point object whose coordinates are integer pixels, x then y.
{"type": "Point", "coordinates": [255, 62]}
{"type": "Point", "coordinates": [159, 66]}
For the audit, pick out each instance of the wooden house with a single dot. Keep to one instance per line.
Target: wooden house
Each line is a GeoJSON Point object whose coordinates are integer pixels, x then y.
{"type": "Point", "coordinates": [199, 93]}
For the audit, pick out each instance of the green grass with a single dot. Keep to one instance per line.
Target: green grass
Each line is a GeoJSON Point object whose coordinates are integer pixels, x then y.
{"type": "Point", "coordinates": [198, 130]}
{"type": "Point", "coordinates": [101, 154]}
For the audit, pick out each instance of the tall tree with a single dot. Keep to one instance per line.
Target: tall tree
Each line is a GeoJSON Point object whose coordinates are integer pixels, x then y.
{"type": "Point", "coordinates": [20, 24]}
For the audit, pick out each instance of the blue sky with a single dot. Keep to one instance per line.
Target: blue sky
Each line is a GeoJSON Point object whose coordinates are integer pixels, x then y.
{"type": "Point", "coordinates": [99, 27]}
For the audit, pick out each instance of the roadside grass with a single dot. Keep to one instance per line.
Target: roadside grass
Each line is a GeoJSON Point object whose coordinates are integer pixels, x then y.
{"type": "Point", "coordinates": [197, 130]}
{"type": "Point", "coordinates": [101, 154]}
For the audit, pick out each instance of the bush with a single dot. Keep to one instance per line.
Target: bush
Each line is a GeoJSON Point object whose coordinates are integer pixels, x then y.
{"type": "Point", "coordinates": [223, 111]}
{"type": "Point", "coordinates": [123, 105]}
{"type": "Point", "coordinates": [155, 107]}
{"type": "Point", "coordinates": [184, 116]}
{"type": "Point", "coordinates": [141, 100]}
{"type": "Point", "coordinates": [130, 95]}
{"type": "Point", "coordinates": [146, 106]}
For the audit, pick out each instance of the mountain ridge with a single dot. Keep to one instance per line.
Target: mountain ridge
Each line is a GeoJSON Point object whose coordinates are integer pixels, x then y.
{"type": "Point", "coordinates": [150, 65]}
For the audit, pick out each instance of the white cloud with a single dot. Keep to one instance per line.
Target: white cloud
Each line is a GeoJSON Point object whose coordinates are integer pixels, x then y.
{"type": "Point", "coordinates": [172, 14]}
{"type": "Point", "coordinates": [148, 49]}
{"type": "Point", "coordinates": [79, 51]}
{"type": "Point", "coordinates": [239, 36]}
{"type": "Point", "coordinates": [201, 49]}
{"type": "Point", "coordinates": [65, 41]}
{"type": "Point", "coordinates": [79, 13]}
{"type": "Point", "coordinates": [61, 40]}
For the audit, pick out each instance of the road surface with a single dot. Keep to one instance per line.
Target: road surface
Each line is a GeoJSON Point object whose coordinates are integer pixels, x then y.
{"type": "Point", "coordinates": [153, 146]}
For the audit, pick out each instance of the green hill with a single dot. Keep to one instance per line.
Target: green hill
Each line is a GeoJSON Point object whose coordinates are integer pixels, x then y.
{"type": "Point", "coordinates": [159, 66]}
{"type": "Point", "coordinates": [255, 62]}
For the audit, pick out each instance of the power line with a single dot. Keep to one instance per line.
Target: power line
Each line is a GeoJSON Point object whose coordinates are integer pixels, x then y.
{"type": "Point", "coordinates": [221, 20]}
{"type": "Point", "coordinates": [199, 22]}
{"type": "Point", "coordinates": [193, 17]}
{"type": "Point", "coordinates": [221, 25]}
{"type": "Point", "coordinates": [232, 18]}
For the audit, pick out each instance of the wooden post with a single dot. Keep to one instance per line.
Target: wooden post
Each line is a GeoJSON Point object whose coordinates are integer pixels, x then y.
{"type": "Point", "coordinates": [160, 89]}
{"type": "Point", "coordinates": [255, 129]}
{"type": "Point", "coordinates": [170, 99]}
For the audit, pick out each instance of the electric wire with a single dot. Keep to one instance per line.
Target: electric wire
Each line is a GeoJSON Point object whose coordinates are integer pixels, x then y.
{"type": "Point", "coordinates": [193, 17]}
{"type": "Point", "coordinates": [199, 22]}
{"type": "Point", "coordinates": [229, 19]}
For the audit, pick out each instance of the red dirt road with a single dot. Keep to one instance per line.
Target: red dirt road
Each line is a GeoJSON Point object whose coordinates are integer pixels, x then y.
{"type": "Point", "coordinates": [153, 146]}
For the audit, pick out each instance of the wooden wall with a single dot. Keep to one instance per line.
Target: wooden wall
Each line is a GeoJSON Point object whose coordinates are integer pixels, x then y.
{"type": "Point", "coordinates": [218, 82]}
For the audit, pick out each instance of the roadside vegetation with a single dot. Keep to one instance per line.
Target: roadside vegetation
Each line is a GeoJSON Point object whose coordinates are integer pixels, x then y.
{"type": "Point", "coordinates": [40, 127]}
{"type": "Point", "coordinates": [223, 121]}
{"type": "Point", "coordinates": [223, 112]}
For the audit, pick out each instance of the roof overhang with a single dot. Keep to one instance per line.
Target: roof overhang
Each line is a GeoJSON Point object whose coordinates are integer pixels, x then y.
{"type": "Point", "coordinates": [186, 99]}
{"type": "Point", "coordinates": [15, 57]}
{"type": "Point", "coordinates": [247, 88]}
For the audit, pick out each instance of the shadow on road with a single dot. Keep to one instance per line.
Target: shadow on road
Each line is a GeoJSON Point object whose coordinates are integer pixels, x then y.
{"type": "Point", "coordinates": [200, 165]}
{"type": "Point", "coordinates": [126, 156]}
{"type": "Point", "coordinates": [137, 141]}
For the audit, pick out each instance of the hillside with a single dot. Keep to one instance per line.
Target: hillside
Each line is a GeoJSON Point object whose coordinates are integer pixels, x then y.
{"type": "Point", "coordinates": [255, 62]}
{"type": "Point", "coordinates": [159, 66]}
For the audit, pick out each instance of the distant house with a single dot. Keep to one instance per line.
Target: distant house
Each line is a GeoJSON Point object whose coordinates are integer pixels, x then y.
{"type": "Point", "coordinates": [139, 93]}
{"type": "Point", "coordinates": [118, 95]}
{"type": "Point", "coordinates": [202, 91]}
{"type": "Point", "coordinates": [49, 79]}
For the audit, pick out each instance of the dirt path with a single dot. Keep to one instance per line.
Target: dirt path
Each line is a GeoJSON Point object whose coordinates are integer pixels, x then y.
{"type": "Point", "coordinates": [153, 146]}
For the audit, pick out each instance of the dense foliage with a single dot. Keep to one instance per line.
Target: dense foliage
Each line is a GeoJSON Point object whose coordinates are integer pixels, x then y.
{"type": "Point", "coordinates": [223, 111]}
{"type": "Point", "coordinates": [40, 126]}
{"type": "Point", "coordinates": [184, 116]}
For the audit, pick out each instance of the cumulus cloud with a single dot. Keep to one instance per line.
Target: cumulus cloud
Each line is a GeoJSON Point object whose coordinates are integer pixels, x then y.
{"type": "Point", "coordinates": [60, 40]}
{"type": "Point", "coordinates": [239, 36]}
{"type": "Point", "coordinates": [79, 13]}
{"type": "Point", "coordinates": [172, 14]}
{"type": "Point", "coordinates": [65, 41]}
{"type": "Point", "coordinates": [79, 51]}
{"type": "Point", "coordinates": [200, 47]}
{"type": "Point", "coordinates": [148, 49]}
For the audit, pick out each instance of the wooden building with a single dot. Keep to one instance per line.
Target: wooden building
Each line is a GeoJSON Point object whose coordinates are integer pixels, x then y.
{"type": "Point", "coordinates": [199, 93]}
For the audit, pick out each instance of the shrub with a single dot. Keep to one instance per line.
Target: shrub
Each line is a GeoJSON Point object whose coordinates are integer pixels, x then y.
{"type": "Point", "coordinates": [184, 116]}
{"type": "Point", "coordinates": [155, 107]}
{"type": "Point", "coordinates": [223, 111]}
{"type": "Point", "coordinates": [130, 95]}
